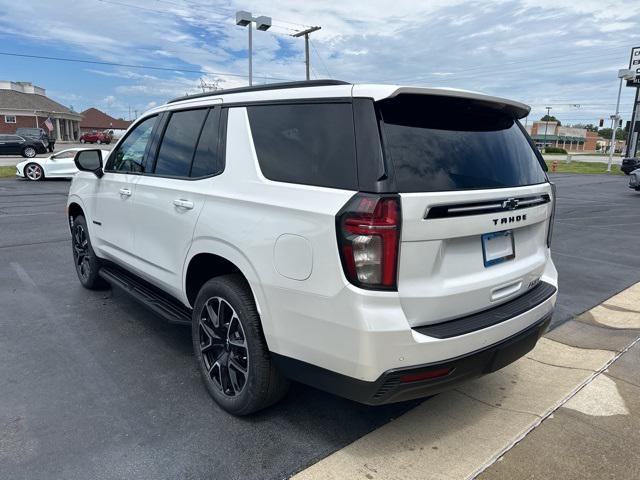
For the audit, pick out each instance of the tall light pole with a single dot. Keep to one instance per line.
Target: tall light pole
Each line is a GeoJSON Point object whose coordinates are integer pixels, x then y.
{"type": "Point", "coordinates": [546, 124]}
{"type": "Point", "coordinates": [245, 19]}
{"type": "Point", "coordinates": [623, 74]}
{"type": "Point", "coordinates": [305, 34]}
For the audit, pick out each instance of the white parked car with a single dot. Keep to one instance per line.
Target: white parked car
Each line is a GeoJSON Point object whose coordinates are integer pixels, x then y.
{"type": "Point", "coordinates": [383, 243]}
{"type": "Point", "coordinates": [58, 165]}
{"type": "Point", "coordinates": [634, 180]}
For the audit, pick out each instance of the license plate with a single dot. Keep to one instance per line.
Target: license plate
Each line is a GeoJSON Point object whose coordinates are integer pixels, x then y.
{"type": "Point", "coordinates": [498, 247]}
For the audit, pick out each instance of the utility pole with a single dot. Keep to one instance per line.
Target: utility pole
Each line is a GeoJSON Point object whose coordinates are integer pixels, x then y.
{"type": "Point", "coordinates": [305, 34]}
{"type": "Point", "coordinates": [546, 124]}
{"type": "Point", "coordinates": [623, 74]}
{"type": "Point", "coordinates": [246, 19]}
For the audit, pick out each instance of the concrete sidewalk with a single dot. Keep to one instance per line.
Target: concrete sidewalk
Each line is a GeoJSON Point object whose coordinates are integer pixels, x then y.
{"type": "Point", "coordinates": [569, 409]}
{"type": "Point", "coordinates": [596, 433]}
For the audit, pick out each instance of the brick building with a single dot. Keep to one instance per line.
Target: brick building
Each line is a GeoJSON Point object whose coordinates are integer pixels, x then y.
{"type": "Point", "coordinates": [23, 104]}
{"type": "Point", "coordinates": [94, 120]}
{"type": "Point", "coordinates": [569, 138]}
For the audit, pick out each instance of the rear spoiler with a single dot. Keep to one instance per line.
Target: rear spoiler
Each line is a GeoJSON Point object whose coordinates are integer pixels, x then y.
{"type": "Point", "coordinates": [380, 92]}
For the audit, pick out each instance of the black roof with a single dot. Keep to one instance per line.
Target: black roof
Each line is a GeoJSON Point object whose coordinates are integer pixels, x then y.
{"type": "Point", "coordinates": [268, 86]}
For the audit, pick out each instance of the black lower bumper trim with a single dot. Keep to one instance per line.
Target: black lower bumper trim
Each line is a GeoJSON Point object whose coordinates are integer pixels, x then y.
{"type": "Point", "coordinates": [487, 318]}
{"type": "Point", "coordinates": [389, 388]}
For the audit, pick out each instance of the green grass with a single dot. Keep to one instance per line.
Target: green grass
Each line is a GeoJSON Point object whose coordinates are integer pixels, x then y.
{"type": "Point", "coordinates": [7, 172]}
{"type": "Point", "coordinates": [584, 167]}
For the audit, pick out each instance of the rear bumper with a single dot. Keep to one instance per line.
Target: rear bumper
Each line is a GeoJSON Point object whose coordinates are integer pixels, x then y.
{"type": "Point", "coordinates": [393, 385]}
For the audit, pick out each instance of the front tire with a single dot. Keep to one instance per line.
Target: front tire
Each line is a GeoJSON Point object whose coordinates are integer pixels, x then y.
{"type": "Point", "coordinates": [84, 258]}
{"type": "Point", "coordinates": [231, 350]}
{"type": "Point", "coordinates": [33, 172]}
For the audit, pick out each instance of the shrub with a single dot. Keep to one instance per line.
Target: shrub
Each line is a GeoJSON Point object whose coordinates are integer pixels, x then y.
{"type": "Point", "coordinates": [554, 150]}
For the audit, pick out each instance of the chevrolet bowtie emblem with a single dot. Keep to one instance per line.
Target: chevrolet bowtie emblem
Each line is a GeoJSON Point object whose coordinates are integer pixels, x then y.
{"type": "Point", "coordinates": [510, 204]}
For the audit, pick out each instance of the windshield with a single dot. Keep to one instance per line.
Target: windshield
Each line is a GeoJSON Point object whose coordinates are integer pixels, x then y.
{"type": "Point", "coordinates": [443, 143]}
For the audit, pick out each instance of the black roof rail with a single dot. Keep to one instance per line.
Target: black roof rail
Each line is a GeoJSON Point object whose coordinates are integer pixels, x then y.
{"type": "Point", "coordinates": [268, 86]}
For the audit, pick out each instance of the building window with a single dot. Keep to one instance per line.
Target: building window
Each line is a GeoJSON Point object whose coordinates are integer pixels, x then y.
{"type": "Point", "coordinates": [9, 119]}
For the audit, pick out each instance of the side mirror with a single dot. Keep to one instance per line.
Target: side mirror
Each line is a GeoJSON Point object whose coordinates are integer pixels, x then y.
{"type": "Point", "coordinates": [89, 161]}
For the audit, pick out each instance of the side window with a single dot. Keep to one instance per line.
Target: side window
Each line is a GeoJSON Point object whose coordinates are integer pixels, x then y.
{"type": "Point", "coordinates": [129, 156]}
{"type": "Point", "coordinates": [207, 160]}
{"type": "Point", "coordinates": [311, 144]}
{"type": "Point", "coordinates": [179, 143]}
{"type": "Point", "coordinates": [68, 154]}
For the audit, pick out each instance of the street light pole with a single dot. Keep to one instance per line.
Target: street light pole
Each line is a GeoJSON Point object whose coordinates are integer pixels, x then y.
{"type": "Point", "coordinates": [250, 53]}
{"type": "Point", "coordinates": [305, 34]}
{"type": "Point", "coordinates": [623, 74]}
{"type": "Point", "coordinates": [246, 19]}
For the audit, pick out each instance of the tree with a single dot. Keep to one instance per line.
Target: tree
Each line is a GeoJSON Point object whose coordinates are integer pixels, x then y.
{"type": "Point", "coordinates": [550, 118]}
{"type": "Point", "coordinates": [590, 127]}
{"type": "Point", "coordinates": [621, 134]}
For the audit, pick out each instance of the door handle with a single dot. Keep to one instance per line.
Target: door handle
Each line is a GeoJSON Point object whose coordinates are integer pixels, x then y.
{"type": "Point", "coordinates": [125, 191]}
{"type": "Point", "coordinates": [181, 203]}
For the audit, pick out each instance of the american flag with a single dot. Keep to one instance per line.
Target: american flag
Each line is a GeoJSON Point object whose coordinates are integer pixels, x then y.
{"type": "Point", "coordinates": [48, 124]}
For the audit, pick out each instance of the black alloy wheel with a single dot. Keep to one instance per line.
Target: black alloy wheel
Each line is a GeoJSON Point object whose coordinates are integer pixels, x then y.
{"type": "Point", "coordinates": [84, 258]}
{"type": "Point", "coordinates": [223, 346]}
{"type": "Point", "coordinates": [80, 243]}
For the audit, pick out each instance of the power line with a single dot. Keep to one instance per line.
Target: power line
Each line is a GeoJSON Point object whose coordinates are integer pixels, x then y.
{"type": "Point", "coordinates": [114, 64]}
{"type": "Point", "coordinates": [313, 45]}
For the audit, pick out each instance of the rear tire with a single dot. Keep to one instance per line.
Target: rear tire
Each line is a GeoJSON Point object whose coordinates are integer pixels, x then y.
{"type": "Point", "coordinates": [84, 258]}
{"type": "Point", "coordinates": [29, 152]}
{"type": "Point", "coordinates": [231, 350]}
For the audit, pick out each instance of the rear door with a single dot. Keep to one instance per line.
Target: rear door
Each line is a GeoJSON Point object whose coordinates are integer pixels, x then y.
{"type": "Point", "coordinates": [475, 204]}
{"type": "Point", "coordinates": [10, 144]}
{"type": "Point", "coordinates": [169, 200]}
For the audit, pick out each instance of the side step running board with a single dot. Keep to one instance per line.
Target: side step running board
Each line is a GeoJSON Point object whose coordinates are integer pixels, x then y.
{"type": "Point", "coordinates": [161, 304]}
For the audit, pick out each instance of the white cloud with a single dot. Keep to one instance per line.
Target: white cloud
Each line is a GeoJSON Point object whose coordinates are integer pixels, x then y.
{"type": "Point", "coordinates": [536, 51]}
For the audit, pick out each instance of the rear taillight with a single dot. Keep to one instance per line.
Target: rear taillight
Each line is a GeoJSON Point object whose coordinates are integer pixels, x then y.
{"type": "Point", "coordinates": [368, 229]}
{"type": "Point", "coordinates": [552, 216]}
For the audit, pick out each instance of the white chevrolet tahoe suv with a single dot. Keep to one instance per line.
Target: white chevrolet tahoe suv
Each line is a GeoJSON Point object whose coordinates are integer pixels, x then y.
{"type": "Point", "coordinates": [379, 242]}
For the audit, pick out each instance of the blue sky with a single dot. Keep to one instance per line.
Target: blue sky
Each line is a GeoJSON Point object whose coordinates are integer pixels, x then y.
{"type": "Point", "coordinates": [562, 53]}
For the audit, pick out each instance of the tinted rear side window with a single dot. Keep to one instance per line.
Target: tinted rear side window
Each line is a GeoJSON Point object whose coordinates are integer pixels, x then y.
{"type": "Point", "coordinates": [207, 160]}
{"type": "Point", "coordinates": [179, 143]}
{"type": "Point", "coordinates": [440, 144]}
{"type": "Point", "coordinates": [311, 144]}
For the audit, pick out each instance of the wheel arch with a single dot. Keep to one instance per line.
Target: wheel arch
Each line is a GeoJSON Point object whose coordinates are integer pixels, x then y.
{"type": "Point", "coordinates": [209, 258]}
{"type": "Point", "coordinates": [75, 207]}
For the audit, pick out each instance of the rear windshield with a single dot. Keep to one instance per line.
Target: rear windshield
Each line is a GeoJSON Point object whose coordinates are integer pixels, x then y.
{"type": "Point", "coordinates": [441, 144]}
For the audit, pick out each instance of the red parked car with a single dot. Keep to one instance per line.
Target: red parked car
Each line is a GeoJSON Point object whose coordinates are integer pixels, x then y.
{"type": "Point", "coordinates": [96, 137]}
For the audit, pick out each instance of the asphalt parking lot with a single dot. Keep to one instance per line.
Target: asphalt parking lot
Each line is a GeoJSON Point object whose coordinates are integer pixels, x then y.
{"type": "Point", "coordinates": [93, 386]}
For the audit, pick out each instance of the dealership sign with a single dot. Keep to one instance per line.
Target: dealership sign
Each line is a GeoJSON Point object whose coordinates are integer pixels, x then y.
{"type": "Point", "coordinates": [634, 64]}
